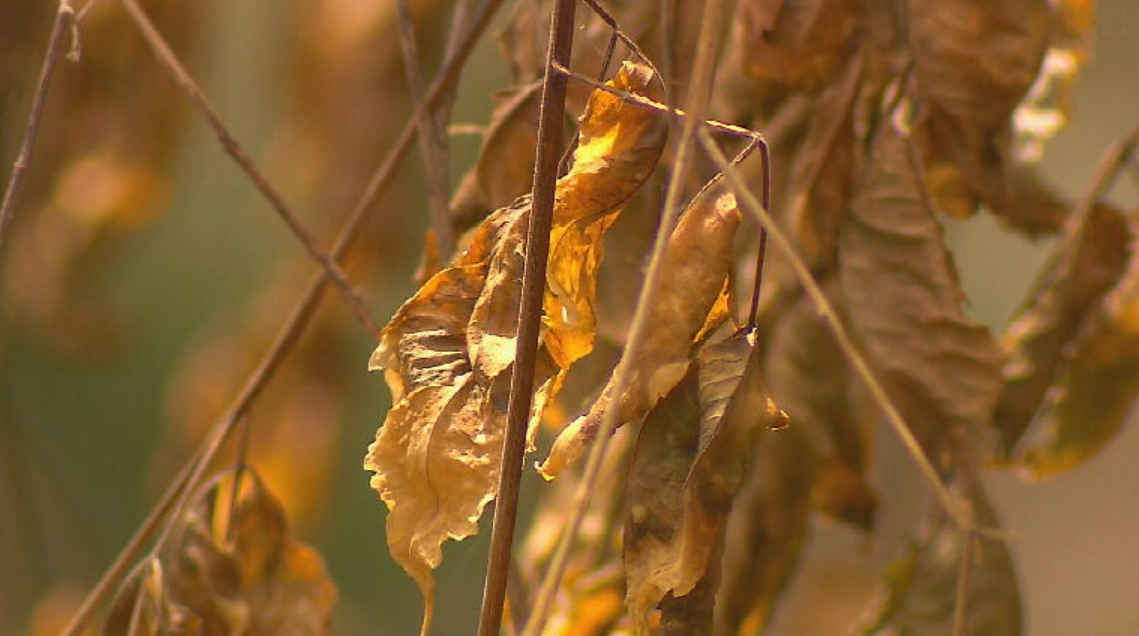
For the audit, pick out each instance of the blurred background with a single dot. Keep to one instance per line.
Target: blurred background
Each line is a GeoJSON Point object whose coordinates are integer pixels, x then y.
{"type": "Point", "coordinates": [146, 275]}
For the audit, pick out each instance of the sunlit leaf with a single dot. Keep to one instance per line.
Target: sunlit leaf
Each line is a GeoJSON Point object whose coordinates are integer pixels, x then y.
{"type": "Point", "coordinates": [694, 267]}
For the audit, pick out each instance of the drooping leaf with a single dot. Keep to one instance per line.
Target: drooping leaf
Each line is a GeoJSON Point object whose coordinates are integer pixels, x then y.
{"type": "Point", "coordinates": [694, 267]}
{"type": "Point", "coordinates": [1090, 260]}
{"type": "Point", "coordinates": [448, 351]}
{"type": "Point", "coordinates": [229, 574]}
{"type": "Point", "coordinates": [693, 454]}
{"type": "Point", "coordinates": [920, 594]}
{"type": "Point", "coordinates": [1094, 376]}
{"type": "Point", "coordinates": [903, 299]}
{"type": "Point", "coordinates": [974, 60]}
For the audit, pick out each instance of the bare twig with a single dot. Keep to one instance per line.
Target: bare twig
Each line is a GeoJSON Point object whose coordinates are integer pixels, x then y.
{"type": "Point", "coordinates": [697, 99]}
{"type": "Point", "coordinates": [846, 344]}
{"type": "Point", "coordinates": [64, 17]}
{"type": "Point", "coordinates": [965, 568]}
{"type": "Point", "coordinates": [550, 124]}
{"type": "Point", "coordinates": [169, 61]}
{"type": "Point", "coordinates": [761, 255]}
{"type": "Point", "coordinates": [290, 333]}
{"type": "Point", "coordinates": [432, 144]}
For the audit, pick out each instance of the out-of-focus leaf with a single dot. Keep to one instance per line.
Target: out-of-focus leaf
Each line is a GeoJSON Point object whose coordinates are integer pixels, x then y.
{"type": "Point", "coordinates": [1080, 344]}
{"type": "Point", "coordinates": [1090, 260]}
{"type": "Point", "coordinates": [692, 456]}
{"type": "Point", "coordinates": [447, 351]}
{"type": "Point", "coordinates": [801, 44]}
{"type": "Point", "coordinates": [974, 61]}
{"type": "Point", "coordinates": [809, 378]}
{"type": "Point", "coordinates": [920, 593]}
{"type": "Point", "coordinates": [229, 574]}
{"type": "Point", "coordinates": [767, 532]}
{"type": "Point", "coordinates": [900, 288]}
{"type": "Point", "coordinates": [694, 266]}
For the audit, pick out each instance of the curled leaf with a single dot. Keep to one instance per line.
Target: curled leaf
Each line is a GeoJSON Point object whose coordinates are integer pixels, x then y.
{"type": "Point", "coordinates": [448, 351]}
{"type": "Point", "coordinates": [692, 456]}
{"type": "Point", "coordinates": [694, 267]}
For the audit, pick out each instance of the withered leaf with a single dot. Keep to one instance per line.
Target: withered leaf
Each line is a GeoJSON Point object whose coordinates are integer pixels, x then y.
{"type": "Point", "coordinates": [223, 574]}
{"type": "Point", "coordinates": [1095, 375]}
{"type": "Point", "coordinates": [693, 454]}
{"type": "Point", "coordinates": [974, 61]}
{"type": "Point", "coordinates": [447, 352]}
{"type": "Point", "coordinates": [902, 296]}
{"type": "Point", "coordinates": [920, 595]}
{"type": "Point", "coordinates": [1090, 260]}
{"type": "Point", "coordinates": [800, 44]}
{"type": "Point", "coordinates": [694, 266]}
{"type": "Point", "coordinates": [767, 532]}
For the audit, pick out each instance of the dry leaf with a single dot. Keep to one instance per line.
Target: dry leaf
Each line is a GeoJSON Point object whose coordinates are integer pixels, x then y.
{"type": "Point", "coordinates": [694, 267]}
{"type": "Point", "coordinates": [255, 579]}
{"type": "Point", "coordinates": [1094, 376]}
{"type": "Point", "coordinates": [903, 299]}
{"type": "Point", "coordinates": [693, 454]}
{"type": "Point", "coordinates": [1090, 260]}
{"type": "Point", "coordinates": [974, 61]}
{"type": "Point", "coordinates": [447, 352]}
{"type": "Point", "coordinates": [921, 588]}
{"type": "Point", "coordinates": [801, 44]}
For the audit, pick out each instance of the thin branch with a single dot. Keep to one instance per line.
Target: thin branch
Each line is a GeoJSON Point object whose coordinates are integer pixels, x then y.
{"type": "Point", "coordinates": [169, 61]}
{"type": "Point", "coordinates": [432, 144]}
{"type": "Point", "coordinates": [290, 333]}
{"type": "Point", "coordinates": [64, 17]}
{"type": "Point", "coordinates": [698, 96]}
{"type": "Point", "coordinates": [541, 217]}
{"type": "Point", "coordinates": [965, 568]}
{"type": "Point", "coordinates": [846, 344]}
{"type": "Point", "coordinates": [761, 255]}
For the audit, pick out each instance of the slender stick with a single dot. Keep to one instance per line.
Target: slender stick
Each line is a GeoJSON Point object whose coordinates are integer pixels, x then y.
{"type": "Point", "coordinates": [168, 60]}
{"type": "Point", "coordinates": [965, 568]}
{"type": "Point", "coordinates": [761, 256]}
{"type": "Point", "coordinates": [287, 337]}
{"type": "Point", "coordinates": [697, 98]}
{"type": "Point", "coordinates": [64, 16]}
{"type": "Point", "coordinates": [550, 125]}
{"type": "Point", "coordinates": [842, 337]}
{"type": "Point", "coordinates": [432, 144]}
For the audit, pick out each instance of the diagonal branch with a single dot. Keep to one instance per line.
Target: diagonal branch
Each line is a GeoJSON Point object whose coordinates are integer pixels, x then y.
{"type": "Point", "coordinates": [64, 17]}
{"type": "Point", "coordinates": [432, 144]}
{"type": "Point", "coordinates": [169, 61]}
{"type": "Point", "coordinates": [546, 162]}
{"type": "Point", "coordinates": [290, 333]}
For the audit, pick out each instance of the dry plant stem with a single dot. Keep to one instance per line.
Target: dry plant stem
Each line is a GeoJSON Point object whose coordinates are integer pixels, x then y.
{"type": "Point", "coordinates": [191, 474]}
{"type": "Point", "coordinates": [697, 98]}
{"type": "Point", "coordinates": [761, 256]}
{"type": "Point", "coordinates": [846, 344]}
{"type": "Point", "coordinates": [432, 147]}
{"type": "Point", "coordinates": [550, 124]}
{"type": "Point", "coordinates": [965, 568]}
{"type": "Point", "coordinates": [233, 148]}
{"type": "Point", "coordinates": [64, 17]}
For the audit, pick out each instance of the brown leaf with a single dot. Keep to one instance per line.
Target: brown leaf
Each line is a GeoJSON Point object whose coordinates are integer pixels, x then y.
{"type": "Point", "coordinates": [255, 579]}
{"type": "Point", "coordinates": [801, 44]}
{"type": "Point", "coordinates": [974, 61]}
{"type": "Point", "coordinates": [920, 590]}
{"type": "Point", "coordinates": [447, 352]}
{"type": "Point", "coordinates": [1081, 342]}
{"type": "Point", "coordinates": [1090, 260]}
{"type": "Point", "coordinates": [694, 267]}
{"type": "Point", "coordinates": [901, 292]}
{"type": "Point", "coordinates": [693, 453]}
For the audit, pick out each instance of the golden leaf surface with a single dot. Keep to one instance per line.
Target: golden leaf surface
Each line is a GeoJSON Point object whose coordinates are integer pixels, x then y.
{"type": "Point", "coordinates": [694, 266]}
{"type": "Point", "coordinates": [448, 351]}
{"type": "Point", "coordinates": [692, 456]}
{"type": "Point", "coordinates": [229, 574]}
